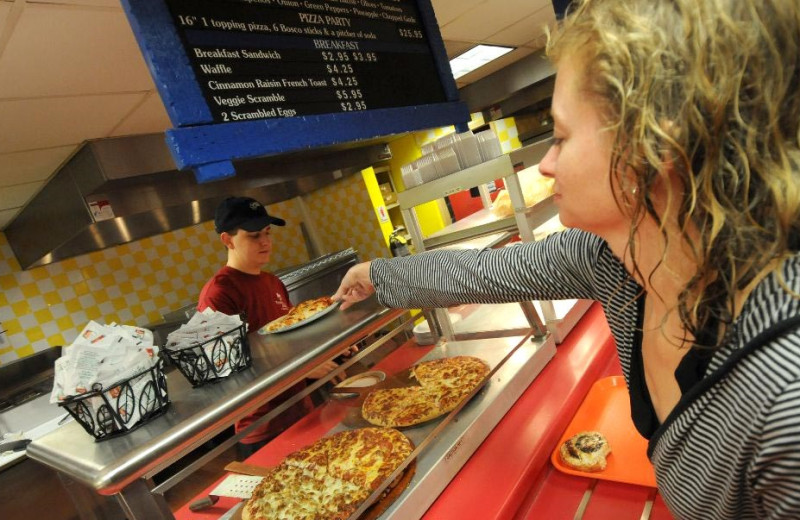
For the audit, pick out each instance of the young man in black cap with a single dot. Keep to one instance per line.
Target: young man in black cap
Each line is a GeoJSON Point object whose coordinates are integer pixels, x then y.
{"type": "Point", "coordinates": [241, 286]}
{"type": "Point", "coordinates": [244, 227]}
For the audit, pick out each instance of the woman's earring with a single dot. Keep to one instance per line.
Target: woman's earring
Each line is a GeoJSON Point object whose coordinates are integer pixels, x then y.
{"type": "Point", "coordinates": [634, 190]}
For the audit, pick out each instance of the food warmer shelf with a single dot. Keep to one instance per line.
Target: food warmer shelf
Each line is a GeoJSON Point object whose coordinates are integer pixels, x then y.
{"type": "Point", "coordinates": [445, 446]}
{"type": "Point", "coordinates": [484, 222]}
{"type": "Point", "coordinates": [122, 465]}
{"type": "Point", "coordinates": [506, 319]}
{"type": "Point", "coordinates": [483, 242]}
{"type": "Point", "coordinates": [442, 446]}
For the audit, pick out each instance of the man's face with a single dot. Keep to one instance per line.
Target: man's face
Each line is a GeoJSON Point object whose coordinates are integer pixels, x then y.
{"type": "Point", "coordinates": [252, 248]}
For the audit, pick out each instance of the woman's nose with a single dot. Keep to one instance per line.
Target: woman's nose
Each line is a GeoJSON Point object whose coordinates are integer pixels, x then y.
{"type": "Point", "coordinates": [548, 163]}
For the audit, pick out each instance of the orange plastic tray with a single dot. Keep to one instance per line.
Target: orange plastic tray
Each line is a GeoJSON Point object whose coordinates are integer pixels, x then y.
{"type": "Point", "coordinates": [607, 409]}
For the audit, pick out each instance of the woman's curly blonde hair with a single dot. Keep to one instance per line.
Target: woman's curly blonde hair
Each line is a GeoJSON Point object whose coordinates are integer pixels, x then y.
{"type": "Point", "coordinates": [713, 88]}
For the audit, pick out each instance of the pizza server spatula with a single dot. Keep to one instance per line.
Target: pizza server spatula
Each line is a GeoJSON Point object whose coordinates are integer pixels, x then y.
{"type": "Point", "coordinates": [235, 486]}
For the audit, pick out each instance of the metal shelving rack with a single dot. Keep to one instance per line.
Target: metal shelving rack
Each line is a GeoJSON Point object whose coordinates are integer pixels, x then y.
{"type": "Point", "coordinates": [524, 221]}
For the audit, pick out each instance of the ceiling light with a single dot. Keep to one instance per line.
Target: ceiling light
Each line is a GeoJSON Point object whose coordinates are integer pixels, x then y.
{"type": "Point", "coordinates": [476, 57]}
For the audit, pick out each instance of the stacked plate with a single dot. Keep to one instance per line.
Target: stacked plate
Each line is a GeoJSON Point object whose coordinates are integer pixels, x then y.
{"type": "Point", "coordinates": [449, 154]}
{"type": "Point", "coordinates": [411, 175]}
{"type": "Point", "coordinates": [466, 147]}
{"type": "Point", "coordinates": [489, 145]}
{"type": "Point", "coordinates": [446, 161]}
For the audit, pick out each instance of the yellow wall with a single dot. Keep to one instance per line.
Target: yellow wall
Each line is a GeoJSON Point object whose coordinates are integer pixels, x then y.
{"type": "Point", "coordinates": [344, 217]}
{"type": "Point", "coordinates": [136, 283]}
{"type": "Point", "coordinates": [506, 131]}
{"type": "Point", "coordinates": [379, 205]}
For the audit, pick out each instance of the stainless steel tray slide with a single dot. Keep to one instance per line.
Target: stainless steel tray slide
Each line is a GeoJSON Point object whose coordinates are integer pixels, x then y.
{"type": "Point", "coordinates": [197, 414]}
{"type": "Point", "coordinates": [445, 445]}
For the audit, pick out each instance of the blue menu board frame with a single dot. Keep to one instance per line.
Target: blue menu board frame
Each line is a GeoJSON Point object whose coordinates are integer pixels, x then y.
{"type": "Point", "coordinates": [208, 146]}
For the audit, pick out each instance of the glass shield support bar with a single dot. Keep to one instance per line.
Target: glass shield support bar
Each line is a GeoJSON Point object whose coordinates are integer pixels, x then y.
{"type": "Point", "coordinates": [438, 319]}
{"type": "Point", "coordinates": [526, 235]}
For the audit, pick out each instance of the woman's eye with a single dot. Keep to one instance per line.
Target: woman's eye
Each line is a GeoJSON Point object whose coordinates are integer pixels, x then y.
{"type": "Point", "coordinates": [557, 141]}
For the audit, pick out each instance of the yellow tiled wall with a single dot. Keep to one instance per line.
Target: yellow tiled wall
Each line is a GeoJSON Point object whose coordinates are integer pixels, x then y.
{"type": "Point", "coordinates": [136, 283]}
{"type": "Point", "coordinates": [427, 136]}
{"type": "Point", "coordinates": [506, 131]}
{"type": "Point", "coordinates": [288, 245]}
{"type": "Point", "coordinates": [344, 217]}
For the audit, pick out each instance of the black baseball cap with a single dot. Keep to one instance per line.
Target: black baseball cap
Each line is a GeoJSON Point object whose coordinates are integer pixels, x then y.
{"type": "Point", "coordinates": [245, 213]}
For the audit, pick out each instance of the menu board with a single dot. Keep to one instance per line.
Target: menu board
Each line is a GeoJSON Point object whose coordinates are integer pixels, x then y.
{"type": "Point", "coordinates": [287, 58]}
{"type": "Point", "coordinates": [248, 78]}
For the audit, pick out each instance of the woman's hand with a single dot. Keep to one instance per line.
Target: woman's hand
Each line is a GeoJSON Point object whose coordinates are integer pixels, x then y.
{"type": "Point", "coordinates": [355, 286]}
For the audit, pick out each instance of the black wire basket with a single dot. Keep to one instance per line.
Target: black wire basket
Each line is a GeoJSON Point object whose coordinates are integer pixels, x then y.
{"type": "Point", "coordinates": [213, 359]}
{"type": "Point", "coordinates": [121, 407]}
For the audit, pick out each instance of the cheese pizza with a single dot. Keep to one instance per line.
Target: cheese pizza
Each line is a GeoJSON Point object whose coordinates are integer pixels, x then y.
{"type": "Point", "coordinates": [300, 312]}
{"type": "Point", "coordinates": [329, 479]}
{"type": "Point", "coordinates": [443, 383]}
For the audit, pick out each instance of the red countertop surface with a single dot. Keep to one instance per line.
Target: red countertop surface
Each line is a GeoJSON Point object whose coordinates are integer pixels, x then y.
{"type": "Point", "coordinates": [510, 475]}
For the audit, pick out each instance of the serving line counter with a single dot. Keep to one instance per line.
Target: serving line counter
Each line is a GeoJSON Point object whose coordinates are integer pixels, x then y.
{"type": "Point", "coordinates": [442, 446]}
{"type": "Point", "coordinates": [122, 466]}
{"type": "Point", "coordinates": [489, 465]}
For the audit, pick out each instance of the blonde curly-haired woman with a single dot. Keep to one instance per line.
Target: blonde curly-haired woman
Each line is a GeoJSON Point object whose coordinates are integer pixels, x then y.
{"type": "Point", "coordinates": [676, 166]}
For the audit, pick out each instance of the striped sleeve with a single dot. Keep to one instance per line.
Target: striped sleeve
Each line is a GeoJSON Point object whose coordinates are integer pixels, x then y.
{"type": "Point", "coordinates": [778, 461]}
{"type": "Point", "coordinates": [559, 267]}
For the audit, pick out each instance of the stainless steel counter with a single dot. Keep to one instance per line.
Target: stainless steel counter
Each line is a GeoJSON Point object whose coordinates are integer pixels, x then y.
{"type": "Point", "coordinates": [119, 465]}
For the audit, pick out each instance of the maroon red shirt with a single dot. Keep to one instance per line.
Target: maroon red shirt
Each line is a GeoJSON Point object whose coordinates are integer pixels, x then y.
{"type": "Point", "coordinates": [261, 298]}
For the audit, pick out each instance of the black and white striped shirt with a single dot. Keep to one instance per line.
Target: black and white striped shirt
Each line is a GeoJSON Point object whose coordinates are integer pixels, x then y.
{"type": "Point", "coordinates": [731, 447]}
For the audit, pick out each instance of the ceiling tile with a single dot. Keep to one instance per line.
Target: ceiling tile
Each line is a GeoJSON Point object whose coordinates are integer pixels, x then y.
{"type": "Point", "coordinates": [29, 124]}
{"type": "Point", "coordinates": [35, 165]}
{"type": "Point", "coordinates": [149, 117]}
{"type": "Point", "coordinates": [448, 10]}
{"type": "Point", "coordinates": [488, 18]}
{"type": "Point", "coordinates": [17, 196]}
{"type": "Point", "coordinates": [6, 216]}
{"type": "Point", "coordinates": [5, 8]}
{"type": "Point", "coordinates": [527, 30]}
{"type": "Point", "coordinates": [75, 50]}
{"type": "Point", "coordinates": [455, 48]}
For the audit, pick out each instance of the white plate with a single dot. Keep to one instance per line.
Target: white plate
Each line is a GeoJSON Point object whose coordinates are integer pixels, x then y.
{"type": "Point", "coordinates": [364, 379]}
{"type": "Point", "coordinates": [263, 330]}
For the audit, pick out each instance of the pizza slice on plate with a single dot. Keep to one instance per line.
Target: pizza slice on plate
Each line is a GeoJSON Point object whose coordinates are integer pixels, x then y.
{"type": "Point", "coordinates": [299, 313]}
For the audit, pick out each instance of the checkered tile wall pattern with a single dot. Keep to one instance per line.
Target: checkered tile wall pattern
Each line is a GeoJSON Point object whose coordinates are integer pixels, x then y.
{"type": "Point", "coordinates": [344, 217]}
{"type": "Point", "coordinates": [136, 283]}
